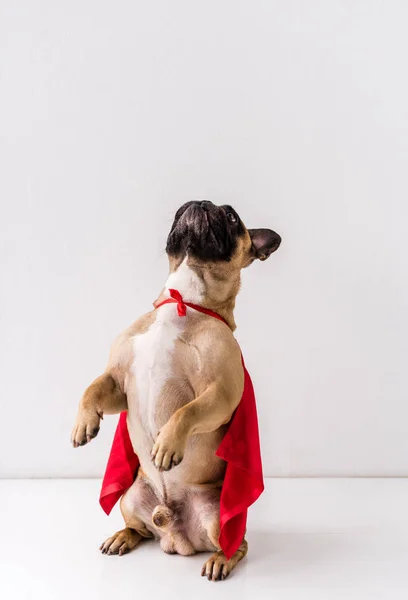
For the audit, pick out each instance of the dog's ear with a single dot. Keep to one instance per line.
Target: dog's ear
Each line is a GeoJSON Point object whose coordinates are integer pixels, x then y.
{"type": "Point", "coordinates": [264, 242]}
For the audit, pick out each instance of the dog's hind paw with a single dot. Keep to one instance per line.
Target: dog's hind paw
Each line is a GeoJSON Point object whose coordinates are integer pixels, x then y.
{"type": "Point", "coordinates": [216, 568]}
{"type": "Point", "coordinates": [121, 542]}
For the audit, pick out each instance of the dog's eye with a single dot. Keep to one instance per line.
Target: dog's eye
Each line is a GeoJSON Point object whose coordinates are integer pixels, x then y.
{"type": "Point", "coordinates": [231, 217]}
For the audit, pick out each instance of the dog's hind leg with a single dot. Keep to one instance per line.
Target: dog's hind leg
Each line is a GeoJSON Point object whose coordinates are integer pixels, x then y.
{"type": "Point", "coordinates": [121, 542]}
{"type": "Point", "coordinates": [219, 567]}
{"type": "Point", "coordinates": [204, 531]}
{"type": "Point", "coordinates": [136, 505]}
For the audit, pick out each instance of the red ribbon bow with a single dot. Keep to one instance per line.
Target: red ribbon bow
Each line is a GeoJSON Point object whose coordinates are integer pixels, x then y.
{"type": "Point", "coordinates": [175, 296]}
{"type": "Point", "coordinates": [181, 307]}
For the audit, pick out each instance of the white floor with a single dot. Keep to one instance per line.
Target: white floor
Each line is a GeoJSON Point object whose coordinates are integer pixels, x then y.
{"type": "Point", "coordinates": [308, 539]}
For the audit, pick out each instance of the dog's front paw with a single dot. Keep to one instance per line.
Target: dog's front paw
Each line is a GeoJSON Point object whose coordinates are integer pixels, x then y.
{"type": "Point", "coordinates": [86, 428]}
{"type": "Point", "coordinates": [168, 451]}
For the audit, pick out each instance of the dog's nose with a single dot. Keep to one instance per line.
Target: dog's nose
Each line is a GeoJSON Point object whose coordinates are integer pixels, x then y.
{"type": "Point", "coordinates": [206, 204]}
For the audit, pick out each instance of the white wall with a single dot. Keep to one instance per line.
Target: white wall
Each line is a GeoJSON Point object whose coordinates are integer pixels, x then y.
{"type": "Point", "coordinates": [113, 114]}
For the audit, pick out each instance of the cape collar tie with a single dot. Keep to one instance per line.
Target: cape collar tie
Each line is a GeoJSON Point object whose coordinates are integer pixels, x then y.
{"type": "Point", "coordinates": [176, 297]}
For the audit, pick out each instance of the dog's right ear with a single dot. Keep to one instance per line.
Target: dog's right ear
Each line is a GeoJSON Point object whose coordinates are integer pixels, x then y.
{"type": "Point", "coordinates": [264, 242]}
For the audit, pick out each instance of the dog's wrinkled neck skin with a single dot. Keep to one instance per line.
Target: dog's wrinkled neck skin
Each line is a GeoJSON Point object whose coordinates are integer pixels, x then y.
{"type": "Point", "coordinates": [204, 284]}
{"type": "Point", "coordinates": [207, 246]}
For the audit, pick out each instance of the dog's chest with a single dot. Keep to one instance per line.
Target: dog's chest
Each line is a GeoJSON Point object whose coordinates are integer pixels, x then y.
{"type": "Point", "coordinates": [154, 364]}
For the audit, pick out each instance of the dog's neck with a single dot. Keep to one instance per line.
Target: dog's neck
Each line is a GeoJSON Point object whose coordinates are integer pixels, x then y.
{"type": "Point", "coordinates": [209, 285]}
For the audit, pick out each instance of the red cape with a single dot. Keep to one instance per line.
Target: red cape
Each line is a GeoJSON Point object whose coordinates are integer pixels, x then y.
{"type": "Point", "coordinates": [243, 482]}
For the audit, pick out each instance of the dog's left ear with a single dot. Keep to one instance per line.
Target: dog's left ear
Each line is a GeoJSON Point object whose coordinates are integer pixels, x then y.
{"type": "Point", "coordinates": [264, 242]}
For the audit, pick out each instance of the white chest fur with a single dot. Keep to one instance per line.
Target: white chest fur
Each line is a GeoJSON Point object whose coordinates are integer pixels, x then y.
{"type": "Point", "coordinates": [187, 282]}
{"type": "Point", "coordinates": [153, 350]}
{"type": "Point", "coordinates": [153, 359]}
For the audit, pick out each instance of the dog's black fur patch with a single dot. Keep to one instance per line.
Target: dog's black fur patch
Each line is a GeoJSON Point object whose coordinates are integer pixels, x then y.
{"type": "Point", "coordinates": [205, 231]}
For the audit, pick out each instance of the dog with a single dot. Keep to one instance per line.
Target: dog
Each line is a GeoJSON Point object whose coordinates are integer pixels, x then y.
{"type": "Point", "coordinates": [180, 381]}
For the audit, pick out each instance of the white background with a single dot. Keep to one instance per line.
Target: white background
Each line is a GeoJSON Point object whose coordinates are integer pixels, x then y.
{"type": "Point", "coordinates": [112, 115]}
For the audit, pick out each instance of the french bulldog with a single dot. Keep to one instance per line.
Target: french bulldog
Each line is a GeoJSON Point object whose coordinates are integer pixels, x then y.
{"type": "Point", "coordinates": [180, 381]}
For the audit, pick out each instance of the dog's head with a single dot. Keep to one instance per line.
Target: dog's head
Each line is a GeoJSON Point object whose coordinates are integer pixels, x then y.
{"type": "Point", "coordinates": [215, 234]}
